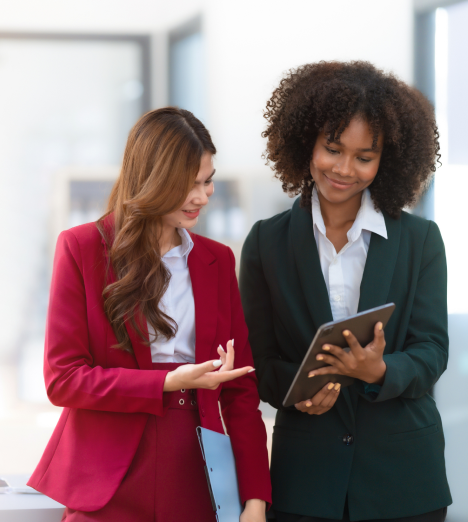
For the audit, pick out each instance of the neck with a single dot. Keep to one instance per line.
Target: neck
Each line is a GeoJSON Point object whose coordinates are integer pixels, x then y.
{"type": "Point", "coordinates": [338, 215]}
{"type": "Point", "coordinates": [168, 239]}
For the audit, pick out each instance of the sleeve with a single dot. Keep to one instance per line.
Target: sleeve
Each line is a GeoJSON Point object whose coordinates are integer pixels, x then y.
{"type": "Point", "coordinates": [239, 406]}
{"type": "Point", "coordinates": [72, 380]}
{"type": "Point", "coordinates": [414, 370]}
{"type": "Point", "coordinates": [275, 375]}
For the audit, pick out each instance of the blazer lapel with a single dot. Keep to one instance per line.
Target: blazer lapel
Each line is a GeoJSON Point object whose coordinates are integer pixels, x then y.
{"type": "Point", "coordinates": [203, 267]}
{"type": "Point", "coordinates": [308, 266]}
{"type": "Point", "coordinates": [315, 290]}
{"type": "Point", "coordinates": [380, 265]}
{"type": "Point", "coordinates": [141, 349]}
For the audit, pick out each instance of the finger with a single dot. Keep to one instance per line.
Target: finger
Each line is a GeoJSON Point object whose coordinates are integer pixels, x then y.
{"type": "Point", "coordinates": [328, 370]}
{"type": "Point", "coordinates": [206, 367]}
{"type": "Point", "coordinates": [230, 355]}
{"type": "Point", "coordinates": [332, 397]}
{"type": "Point", "coordinates": [329, 359]}
{"type": "Point", "coordinates": [222, 354]}
{"type": "Point", "coordinates": [356, 349]}
{"type": "Point", "coordinates": [379, 336]}
{"type": "Point", "coordinates": [336, 351]}
{"type": "Point", "coordinates": [317, 399]}
{"type": "Point", "coordinates": [231, 374]}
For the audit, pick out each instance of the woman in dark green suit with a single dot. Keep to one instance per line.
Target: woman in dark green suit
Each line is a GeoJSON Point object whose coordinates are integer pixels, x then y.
{"type": "Point", "coordinates": [358, 146]}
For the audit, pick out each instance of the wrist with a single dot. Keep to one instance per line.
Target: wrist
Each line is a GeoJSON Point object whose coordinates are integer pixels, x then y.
{"type": "Point", "coordinates": [169, 383]}
{"type": "Point", "coordinates": [255, 505]}
{"type": "Point", "coordinates": [379, 376]}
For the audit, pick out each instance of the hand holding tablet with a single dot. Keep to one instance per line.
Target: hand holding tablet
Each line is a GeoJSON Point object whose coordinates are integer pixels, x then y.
{"type": "Point", "coordinates": [358, 354]}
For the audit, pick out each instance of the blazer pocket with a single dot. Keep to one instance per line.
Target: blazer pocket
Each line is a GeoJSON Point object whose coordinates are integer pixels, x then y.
{"type": "Point", "coordinates": [415, 434]}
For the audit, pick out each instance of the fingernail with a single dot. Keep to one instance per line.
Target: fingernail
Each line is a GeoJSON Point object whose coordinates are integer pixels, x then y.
{"type": "Point", "coordinates": [221, 347]}
{"type": "Point", "coordinates": [380, 326]}
{"type": "Point", "coordinates": [346, 332]}
{"type": "Point", "coordinates": [326, 347]}
{"type": "Point", "coordinates": [337, 386]}
{"type": "Point", "coordinates": [217, 363]}
{"type": "Point", "coordinates": [330, 386]}
{"type": "Point", "coordinates": [319, 357]}
{"type": "Point", "coordinates": [308, 404]}
{"type": "Point", "coordinates": [232, 342]}
{"type": "Point", "coordinates": [311, 374]}
{"type": "Point", "coordinates": [252, 370]}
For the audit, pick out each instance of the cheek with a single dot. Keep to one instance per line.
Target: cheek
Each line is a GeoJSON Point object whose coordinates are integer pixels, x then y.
{"type": "Point", "coordinates": [210, 190]}
{"type": "Point", "coordinates": [320, 162]}
{"type": "Point", "coordinates": [367, 173]}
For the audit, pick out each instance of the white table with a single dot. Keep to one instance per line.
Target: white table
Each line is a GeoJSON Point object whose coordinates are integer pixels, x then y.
{"type": "Point", "coordinates": [27, 508]}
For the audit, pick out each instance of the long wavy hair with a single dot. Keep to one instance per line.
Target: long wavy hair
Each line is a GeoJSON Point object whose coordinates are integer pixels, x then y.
{"type": "Point", "coordinates": [160, 164]}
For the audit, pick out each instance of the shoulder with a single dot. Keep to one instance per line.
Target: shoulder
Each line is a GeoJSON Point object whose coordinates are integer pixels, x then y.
{"type": "Point", "coordinates": [420, 228]}
{"type": "Point", "coordinates": [267, 230]}
{"type": "Point", "coordinates": [82, 241]}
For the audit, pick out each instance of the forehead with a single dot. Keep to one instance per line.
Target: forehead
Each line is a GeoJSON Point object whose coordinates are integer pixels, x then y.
{"type": "Point", "coordinates": [206, 167]}
{"type": "Point", "coordinates": [358, 135]}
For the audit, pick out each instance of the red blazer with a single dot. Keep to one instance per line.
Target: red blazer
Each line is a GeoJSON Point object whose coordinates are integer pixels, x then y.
{"type": "Point", "coordinates": [107, 394]}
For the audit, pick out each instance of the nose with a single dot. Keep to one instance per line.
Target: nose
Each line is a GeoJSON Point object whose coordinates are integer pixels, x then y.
{"type": "Point", "coordinates": [343, 167]}
{"type": "Point", "coordinates": [201, 196]}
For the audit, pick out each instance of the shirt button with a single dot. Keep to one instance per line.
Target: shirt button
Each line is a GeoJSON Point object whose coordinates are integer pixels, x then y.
{"type": "Point", "coordinates": [348, 439]}
{"type": "Point", "coordinates": [337, 298]}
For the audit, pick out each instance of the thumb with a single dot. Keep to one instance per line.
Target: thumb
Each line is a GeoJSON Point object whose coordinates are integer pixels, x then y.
{"type": "Point", "coordinates": [207, 366]}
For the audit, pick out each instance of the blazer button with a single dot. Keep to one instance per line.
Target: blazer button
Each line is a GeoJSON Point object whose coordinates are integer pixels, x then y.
{"type": "Point", "coordinates": [202, 411]}
{"type": "Point", "coordinates": [348, 439]}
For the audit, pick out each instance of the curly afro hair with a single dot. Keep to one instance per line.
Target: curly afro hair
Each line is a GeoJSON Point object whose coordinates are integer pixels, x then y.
{"type": "Point", "coordinates": [325, 96]}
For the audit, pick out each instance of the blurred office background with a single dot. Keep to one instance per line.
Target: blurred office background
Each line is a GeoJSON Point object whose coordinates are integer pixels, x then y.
{"type": "Point", "coordinates": [75, 76]}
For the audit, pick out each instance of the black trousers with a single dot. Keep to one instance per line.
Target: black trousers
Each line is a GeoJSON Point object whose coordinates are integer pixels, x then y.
{"type": "Point", "coordinates": [434, 516]}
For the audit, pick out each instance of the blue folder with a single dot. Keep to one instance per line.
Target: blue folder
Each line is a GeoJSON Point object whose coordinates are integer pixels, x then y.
{"type": "Point", "coordinates": [220, 469]}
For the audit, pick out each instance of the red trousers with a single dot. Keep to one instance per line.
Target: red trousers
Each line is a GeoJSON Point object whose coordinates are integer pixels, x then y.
{"type": "Point", "coordinates": [166, 481]}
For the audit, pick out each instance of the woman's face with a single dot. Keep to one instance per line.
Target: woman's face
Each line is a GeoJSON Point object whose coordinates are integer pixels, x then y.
{"type": "Point", "coordinates": [342, 170]}
{"type": "Point", "coordinates": [203, 188]}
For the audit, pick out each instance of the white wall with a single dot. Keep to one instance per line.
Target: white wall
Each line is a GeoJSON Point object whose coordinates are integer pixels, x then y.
{"type": "Point", "coordinates": [250, 44]}
{"type": "Point", "coordinates": [139, 16]}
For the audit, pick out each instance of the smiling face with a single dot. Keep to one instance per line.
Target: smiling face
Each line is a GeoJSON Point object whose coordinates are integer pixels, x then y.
{"type": "Point", "coordinates": [341, 171]}
{"type": "Point", "coordinates": [203, 188]}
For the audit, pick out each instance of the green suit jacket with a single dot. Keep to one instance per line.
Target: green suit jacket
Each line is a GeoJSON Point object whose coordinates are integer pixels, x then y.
{"type": "Point", "coordinates": [395, 466]}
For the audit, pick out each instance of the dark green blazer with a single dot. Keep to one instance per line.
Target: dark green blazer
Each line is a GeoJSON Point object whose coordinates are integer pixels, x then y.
{"type": "Point", "coordinates": [395, 465]}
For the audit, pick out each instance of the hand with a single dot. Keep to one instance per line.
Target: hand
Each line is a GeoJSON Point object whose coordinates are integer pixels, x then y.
{"type": "Point", "coordinates": [322, 401]}
{"type": "Point", "coordinates": [254, 511]}
{"type": "Point", "coordinates": [366, 363]}
{"type": "Point", "coordinates": [191, 376]}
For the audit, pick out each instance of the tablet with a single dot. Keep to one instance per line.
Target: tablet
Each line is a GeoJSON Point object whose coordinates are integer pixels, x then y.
{"type": "Point", "coordinates": [361, 325]}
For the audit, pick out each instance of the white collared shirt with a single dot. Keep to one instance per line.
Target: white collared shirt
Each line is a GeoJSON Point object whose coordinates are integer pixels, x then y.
{"type": "Point", "coordinates": [178, 303]}
{"type": "Point", "coordinates": [343, 271]}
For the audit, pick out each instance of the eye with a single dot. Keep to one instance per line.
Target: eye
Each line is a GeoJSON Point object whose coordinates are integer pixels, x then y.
{"type": "Point", "coordinates": [364, 160]}
{"type": "Point", "coordinates": [209, 181]}
{"type": "Point", "coordinates": [332, 151]}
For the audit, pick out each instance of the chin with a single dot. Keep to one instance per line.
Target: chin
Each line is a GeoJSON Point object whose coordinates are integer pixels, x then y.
{"type": "Point", "coordinates": [188, 223]}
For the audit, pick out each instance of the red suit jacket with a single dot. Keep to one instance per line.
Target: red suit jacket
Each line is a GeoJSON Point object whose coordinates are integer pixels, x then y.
{"type": "Point", "coordinates": [107, 394]}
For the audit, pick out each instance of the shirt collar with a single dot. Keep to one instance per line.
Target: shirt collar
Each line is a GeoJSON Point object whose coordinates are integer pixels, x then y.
{"type": "Point", "coordinates": [368, 217]}
{"type": "Point", "coordinates": [183, 250]}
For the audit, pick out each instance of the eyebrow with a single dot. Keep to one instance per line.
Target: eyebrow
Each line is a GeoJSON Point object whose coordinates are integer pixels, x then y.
{"type": "Point", "coordinates": [212, 174]}
{"type": "Point", "coordinates": [377, 149]}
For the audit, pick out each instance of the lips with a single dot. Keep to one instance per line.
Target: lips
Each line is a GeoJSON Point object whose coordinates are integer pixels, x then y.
{"type": "Point", "coordinates": [341, 185]}
{"type": "Point", "coordinates": [191, 214]}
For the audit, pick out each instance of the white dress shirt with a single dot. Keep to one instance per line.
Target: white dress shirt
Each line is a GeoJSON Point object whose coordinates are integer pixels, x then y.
{"type": "Point", "coordinates": [177, 303]}
{"type": "Point", "coordinates": [343, 271]}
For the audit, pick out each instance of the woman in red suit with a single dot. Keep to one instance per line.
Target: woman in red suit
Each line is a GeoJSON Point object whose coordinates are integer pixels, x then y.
{"type": "Point", "coordinates": [139, 309]}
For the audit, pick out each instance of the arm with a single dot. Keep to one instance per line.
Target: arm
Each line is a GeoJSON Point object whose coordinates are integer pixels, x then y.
{"type": "Point", "coordinates": [274, 374]}
{"type": "Point", "coordinates": [71, 379]}
{"type": "Point", "coordinates": [412, 372]}
{"type": "Point", "coordinates": [239, 405]}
